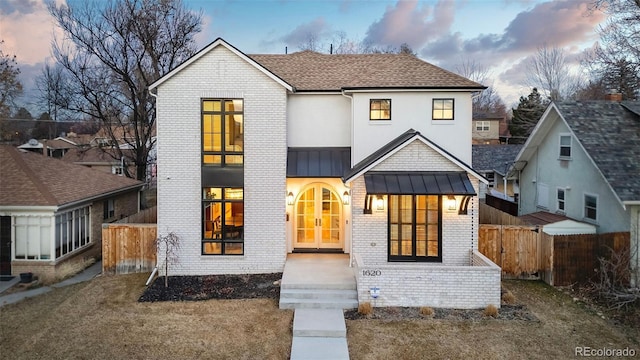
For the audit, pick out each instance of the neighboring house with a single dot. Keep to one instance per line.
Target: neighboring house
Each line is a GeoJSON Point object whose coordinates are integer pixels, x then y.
{"type": "Point", "coordinates": [493, 162]}
{"type": "Point", "coordinates": [101, 159]}
{"type": "Point", "coordinates": [263, 155]}
{"type": "Point", "coordinates": [55, 148]}
{"type": "Point", "coordinates": [51, 212]}
{"type": "Point", "coordinates": [486, 128]}
{"type": "Point", "coordinates": [582, 161]}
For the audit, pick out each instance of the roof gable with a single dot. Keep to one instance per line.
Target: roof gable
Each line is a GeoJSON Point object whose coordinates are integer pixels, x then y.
{"type": "Point", "coordinates": [396, 145]}
{"type": "Point", "coordinates": [220, 42]}
{"type": "Point", "coordinates": [30, 179]}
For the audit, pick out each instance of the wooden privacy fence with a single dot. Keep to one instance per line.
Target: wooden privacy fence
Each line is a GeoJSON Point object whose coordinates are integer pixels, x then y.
{"type": "Point", "coordinates": [146, 216]}
{"type": "Point", "coordinates": [128, 248]}
{"type": "Point", "coordinates": [527, 252]}
{"type": "Point", "coordinates": [491, 215]}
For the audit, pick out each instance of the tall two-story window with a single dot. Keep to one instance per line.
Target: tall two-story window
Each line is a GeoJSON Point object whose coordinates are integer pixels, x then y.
{"type": "Point", "coordinates": [222, 132]}
{"type": "Point", "coordinates": [565, 146]}
{"type": "Point", "coordinates": [442, 109]}
{"type": "Point", "coordinates": [415, 228]}
{"type": "Point", "coordinates": [222, 176]}
{"type": "Point", "coordinates": [380, 109]}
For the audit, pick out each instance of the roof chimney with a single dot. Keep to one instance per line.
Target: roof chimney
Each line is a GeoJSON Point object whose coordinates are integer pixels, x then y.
{"type": "Point", "coordinates": [613, 95]}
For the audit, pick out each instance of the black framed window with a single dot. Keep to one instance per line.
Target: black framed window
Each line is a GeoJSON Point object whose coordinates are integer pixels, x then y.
{"type": "Point", "coordinates": [442, 109]}
{"type": "Point", "coordinates": [415, 228]}
{"type": "Point", "coordinates": [223, 221]}
{"type": "Point", "coordinates": [380, 109]}
{"type": "Point", "coordinates": [222, 132]}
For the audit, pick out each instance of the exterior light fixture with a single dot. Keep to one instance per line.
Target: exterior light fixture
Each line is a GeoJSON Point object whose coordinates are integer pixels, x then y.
{"type": "Point", "coordinates": [345, 198]}
{"type": "Point", "coordinates": [451, 203]}
{"type": "Point", "coordinates": [290, 198]}
{"type": "Point", "coordinates": [379, 202]}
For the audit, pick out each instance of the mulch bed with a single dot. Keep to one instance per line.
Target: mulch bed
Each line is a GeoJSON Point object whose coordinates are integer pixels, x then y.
{"type": "Point", "coordinates": [506, 312]}
{"type": "Point", "coordinates": [194, 288]}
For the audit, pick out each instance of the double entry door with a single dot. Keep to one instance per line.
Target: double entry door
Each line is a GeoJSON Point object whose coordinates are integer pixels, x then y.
{"type": "Point", "coordinates": [317, 219]}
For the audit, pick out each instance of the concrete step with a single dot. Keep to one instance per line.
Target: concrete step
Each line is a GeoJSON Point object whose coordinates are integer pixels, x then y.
{"type": "Point", "coordinates": [319, 323]}
{"type": "Point", "coordinates": [286, 303]}
{"type": "Point", "coordinates": [319, 348]}
{"type": "Point", "coordinates": [318, 294]}
{"type": "Point", "coordinates": [325, 286]}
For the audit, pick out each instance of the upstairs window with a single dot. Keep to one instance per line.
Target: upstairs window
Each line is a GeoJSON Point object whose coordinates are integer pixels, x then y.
{"type": "Point", "coordinates": [222, 132]}
{"type": "Point", "coordinates": [442, 109]}
{"type": "Point", "coordinates": [591, 207]}
{"type": "Point", "coordinates": [565, 146]}
{"type": "Point", "coordinates": [380, 109]}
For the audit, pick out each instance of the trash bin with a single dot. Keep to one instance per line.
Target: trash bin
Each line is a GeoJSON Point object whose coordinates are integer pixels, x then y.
{"type": "Point", "coordinates": [26, 278]}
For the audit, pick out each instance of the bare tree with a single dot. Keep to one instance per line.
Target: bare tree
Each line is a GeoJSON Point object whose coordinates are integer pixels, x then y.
{"type": "Point", "coordinates": [167, 246]}
{"type": "Point", "coordinates": [10, 86]}
{"type": "Point", "coordinates": [549, 72]}
{"type": "Point", "coordinates": [488, 101]}
{"type": "Point", "coordinates": [117, 50]}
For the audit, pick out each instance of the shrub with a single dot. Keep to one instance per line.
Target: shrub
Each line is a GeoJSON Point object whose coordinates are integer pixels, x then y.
{"type": "Point", "coordinates": [426, 311]}
{"type": "Point", "coordinates": [365, 308]}
{"type": "Point", "coordinates": [491, 310]}
{"type": "Point", "coordinates": [508, 298]}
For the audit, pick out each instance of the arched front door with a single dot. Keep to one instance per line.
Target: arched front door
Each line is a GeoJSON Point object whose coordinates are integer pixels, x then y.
{"type": "Point", "coordinates": [317, 218]}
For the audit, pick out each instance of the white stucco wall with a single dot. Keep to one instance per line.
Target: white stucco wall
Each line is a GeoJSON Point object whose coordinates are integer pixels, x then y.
{"type": "Point", "coordinates": [221, 74]}
{"type": "Point", "coordinates": [412, 110]}
{"type": "Point", "coordinates": [318, 120]}
{"type": "Point", "coordinates": [578, 175]}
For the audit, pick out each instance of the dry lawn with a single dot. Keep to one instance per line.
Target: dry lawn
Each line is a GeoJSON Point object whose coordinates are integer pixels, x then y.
{"type": "Point", "coordinates": [102, 319]}
{"type": "Point", "coordinates": [563, 325]}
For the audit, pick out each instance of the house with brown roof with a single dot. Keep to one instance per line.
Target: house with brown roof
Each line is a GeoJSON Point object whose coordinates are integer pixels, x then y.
{"type": "Point", "coordinates": [366, 157]}
{"type": "Point", "coordinates": [582, 161]}
{"type": "Point", "coordinates": [51, 212]}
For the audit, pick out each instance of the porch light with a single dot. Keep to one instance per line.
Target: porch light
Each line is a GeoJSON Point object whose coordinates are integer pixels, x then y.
{"type": "Point", "coordinates": [290, 198]}
{"type": "Point", "coordinates": [345, 197]}
{"type": "Point", "coordinates": [451, 203]}
{"type": "Point", "coordinates": [379, 202]}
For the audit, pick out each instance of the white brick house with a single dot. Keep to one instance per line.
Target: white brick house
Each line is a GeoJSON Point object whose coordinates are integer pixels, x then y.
{"type": "Point", "coordinates": [263, 155]}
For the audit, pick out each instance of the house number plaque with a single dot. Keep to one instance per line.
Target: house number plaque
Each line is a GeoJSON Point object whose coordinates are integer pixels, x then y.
{"type": "Point", "coordinates": [371, 273]}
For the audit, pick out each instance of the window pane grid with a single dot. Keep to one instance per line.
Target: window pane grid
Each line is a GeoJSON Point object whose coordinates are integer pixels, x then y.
{"type": "Point", "coordinates": [414, 227]}
{"type": "Point", "coordinates": [222, 132]}
{"type": "Point", "coordinates": [442, 109]}
{"type": "Point", "coordinates": [223, 221]}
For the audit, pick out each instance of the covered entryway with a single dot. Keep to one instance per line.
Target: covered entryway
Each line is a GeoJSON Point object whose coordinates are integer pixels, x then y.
{"type": "Point", "coordinates": [318, 213]}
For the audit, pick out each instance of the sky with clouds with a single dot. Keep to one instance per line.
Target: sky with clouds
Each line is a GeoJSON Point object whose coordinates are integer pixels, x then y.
{"type": "Point", "coordinates": [497, 34]}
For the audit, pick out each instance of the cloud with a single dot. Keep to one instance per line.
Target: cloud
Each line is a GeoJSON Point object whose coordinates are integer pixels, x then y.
{"type": "Point", "coordinates": [27, 30]}
{"type": "Point", "coordinates": [303, 34]}
{"type": "Point", "coordinates": [407, 22]}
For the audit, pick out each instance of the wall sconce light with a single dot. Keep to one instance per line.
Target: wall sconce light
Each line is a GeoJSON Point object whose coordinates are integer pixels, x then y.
{"type": "Point", "coordinates": [290, 198]}
{"type": "Point", "coordinates": [379, 202]}
{"type": "Point", "coordinates": [451, 203]}
{"type": "Point", "coordinates": [345, 197]}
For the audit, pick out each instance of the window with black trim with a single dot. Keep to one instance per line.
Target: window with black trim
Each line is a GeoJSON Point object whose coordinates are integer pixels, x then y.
{"type": "Point", "coordinates": [415, 228]}
{"type": "Point", "coordinates": [565, 146]}
{"type": "Point", "coordinates": [442, 109]}
{"type": "Point", "coordinates": [222, 132]}
{"type": "Point", "coordinates": [380, 109]}
{"type": "Point", "coordinates": [223, 221]}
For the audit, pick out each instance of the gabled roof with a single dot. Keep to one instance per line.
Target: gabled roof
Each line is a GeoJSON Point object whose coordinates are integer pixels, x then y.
{"type": "Point", "coordinates": [609, 133]}
{"type": "Point", "coordinates": [29, 179]}
{"type": "Point", "coordinates": [220, 42]}
{"type": "Point", "coordinates": [312, 71]}
{"type": "Point", "coordinates": [494, 157]}
{"type": "Point", "coordinates": [397, 144]}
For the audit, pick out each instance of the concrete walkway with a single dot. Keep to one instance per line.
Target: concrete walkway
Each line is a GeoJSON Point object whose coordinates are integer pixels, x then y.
{"type": "Point", "coordinates": [85, 275]}
{"type": "Point", "coordinates": [319, 334]}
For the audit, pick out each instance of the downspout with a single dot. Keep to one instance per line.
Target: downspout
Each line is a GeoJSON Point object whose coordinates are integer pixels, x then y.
{"type": "Point", "coordinates": [155, 269]}
{"type": "Point", "coordinates": [350, 97]}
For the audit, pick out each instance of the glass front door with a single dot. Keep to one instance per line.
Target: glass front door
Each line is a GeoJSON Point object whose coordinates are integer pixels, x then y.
{"type": "Point", "coordinates": [318, 211]}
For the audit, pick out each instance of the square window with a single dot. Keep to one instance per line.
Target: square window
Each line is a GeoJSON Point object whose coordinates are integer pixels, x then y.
{"type": "Point", "coordinates": [380, 109]}
{"type": "Point", "coordinates": [442, 109]}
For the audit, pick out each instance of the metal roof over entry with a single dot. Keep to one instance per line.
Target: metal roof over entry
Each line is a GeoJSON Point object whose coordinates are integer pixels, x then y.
{"type": "Point", "coordinates": [418, 183]}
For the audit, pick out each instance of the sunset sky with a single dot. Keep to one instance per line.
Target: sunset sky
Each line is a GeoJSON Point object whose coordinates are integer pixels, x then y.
{"type": "Point", "coordinates": [498, 34]}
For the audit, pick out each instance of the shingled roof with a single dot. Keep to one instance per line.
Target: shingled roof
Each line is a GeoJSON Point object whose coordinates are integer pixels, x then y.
{"type": "Point", "coordinates": [494, 157]}
{"type": "Point", "coordinates": [610, 133]}
{"type": "Point", "coordinates": [29, 179]}
{"type": "Point", "coordinates": [312, 71]}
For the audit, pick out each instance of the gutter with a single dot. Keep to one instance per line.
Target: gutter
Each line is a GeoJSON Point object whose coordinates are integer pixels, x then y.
{"type": "Point", "coordinates": [99, 196]}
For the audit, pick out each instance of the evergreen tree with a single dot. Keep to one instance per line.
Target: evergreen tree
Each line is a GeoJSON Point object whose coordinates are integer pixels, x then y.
{"type": "Point", "coordinates": [526, 116]}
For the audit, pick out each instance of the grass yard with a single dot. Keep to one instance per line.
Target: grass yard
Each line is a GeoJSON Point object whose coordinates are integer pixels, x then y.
{"type": "Point", "coordinates": [102, 319]}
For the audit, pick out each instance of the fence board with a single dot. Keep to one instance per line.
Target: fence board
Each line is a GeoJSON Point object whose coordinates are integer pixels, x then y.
{"type": "Point", "coordinates": [491, 215]}
{"type": "Point", "coordinates": [128, 248]}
